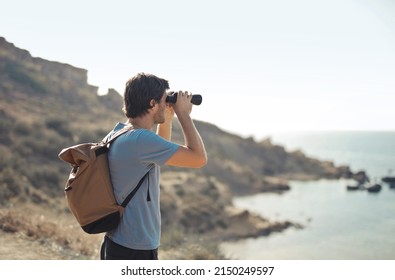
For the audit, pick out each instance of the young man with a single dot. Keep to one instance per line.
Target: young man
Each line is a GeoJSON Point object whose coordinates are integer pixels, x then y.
{"type": "Point", "coordinates": [139, 151]}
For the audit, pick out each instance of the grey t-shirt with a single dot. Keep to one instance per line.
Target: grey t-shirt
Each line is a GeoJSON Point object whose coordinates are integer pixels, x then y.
{"type": "Point", "coordinates": [130, 157]}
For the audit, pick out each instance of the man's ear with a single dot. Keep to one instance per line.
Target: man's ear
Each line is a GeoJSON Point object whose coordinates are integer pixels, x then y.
{"type": "Point", "coordinates": [152, 103]}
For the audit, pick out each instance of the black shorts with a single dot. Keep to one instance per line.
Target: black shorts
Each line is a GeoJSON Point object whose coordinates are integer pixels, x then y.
{"type": "Point", "coordinates": [113, 251]}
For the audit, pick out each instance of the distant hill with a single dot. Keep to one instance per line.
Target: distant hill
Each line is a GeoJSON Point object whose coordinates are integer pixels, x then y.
{"type": "Point", "coordinates": [46, 105]}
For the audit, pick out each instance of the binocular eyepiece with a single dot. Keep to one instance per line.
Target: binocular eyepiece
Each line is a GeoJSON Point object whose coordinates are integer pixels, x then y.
{"type": "Point", "coordinates": [195, 100]}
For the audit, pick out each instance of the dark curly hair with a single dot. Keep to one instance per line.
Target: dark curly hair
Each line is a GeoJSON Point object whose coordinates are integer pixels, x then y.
{"type": "Point", "coordinates": [139, 91]}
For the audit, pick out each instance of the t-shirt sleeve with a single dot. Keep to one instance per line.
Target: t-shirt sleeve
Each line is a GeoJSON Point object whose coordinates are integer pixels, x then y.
{"type": "Point", "coordinates": [153, 148]}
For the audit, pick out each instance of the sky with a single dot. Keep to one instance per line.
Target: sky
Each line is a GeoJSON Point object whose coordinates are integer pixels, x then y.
{"type": "Point", "coordinates": [262, 67]}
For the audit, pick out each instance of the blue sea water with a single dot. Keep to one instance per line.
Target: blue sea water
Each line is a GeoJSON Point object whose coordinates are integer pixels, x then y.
{"type": "Point", "coordinates": [338, 224]}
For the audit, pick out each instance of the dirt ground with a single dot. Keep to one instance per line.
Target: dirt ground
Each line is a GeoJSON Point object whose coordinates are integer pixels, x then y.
{"type": "Point", "coordinates": [14, 247]}
{"type": "Point", "coordinates": [53, 236]}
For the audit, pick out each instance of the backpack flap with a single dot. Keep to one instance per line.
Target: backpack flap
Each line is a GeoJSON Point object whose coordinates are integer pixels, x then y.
{"type": "Point", "coordinates": [77, 154]}
{"type": "Point", "coordinates": [80, 154]}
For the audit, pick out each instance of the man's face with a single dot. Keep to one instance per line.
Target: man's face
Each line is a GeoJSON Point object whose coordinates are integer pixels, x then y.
{"type": "Point", "coordinates": [159, 116]}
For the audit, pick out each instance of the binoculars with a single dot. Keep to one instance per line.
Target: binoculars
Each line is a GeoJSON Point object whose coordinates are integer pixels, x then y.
{"type": "Point", "coordinates": [195, 100]}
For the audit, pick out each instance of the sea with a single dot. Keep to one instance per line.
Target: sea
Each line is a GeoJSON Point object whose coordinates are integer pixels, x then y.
{"type": "Point", "coordinates": [337, 224]}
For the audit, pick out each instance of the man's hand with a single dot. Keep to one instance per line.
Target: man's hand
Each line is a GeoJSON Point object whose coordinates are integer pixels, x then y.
{"type": "Point", "coordinates": [183, 106]}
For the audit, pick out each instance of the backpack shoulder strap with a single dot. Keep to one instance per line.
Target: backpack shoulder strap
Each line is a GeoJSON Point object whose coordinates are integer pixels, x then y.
{"type": "Point", "coordinates": [110, 139]}
{"type": "Point", "coordinates": [104, 144]}
{"type": "Point", "coordinates": [107, 141]}
{"type": "Point", "coordinates": [130, 196]}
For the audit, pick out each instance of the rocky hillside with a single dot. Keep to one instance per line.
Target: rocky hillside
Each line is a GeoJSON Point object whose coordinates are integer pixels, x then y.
{"type": "Point", "coordinates": [46, 105]}
{"type": "Point", "coordinates": [248, 167]}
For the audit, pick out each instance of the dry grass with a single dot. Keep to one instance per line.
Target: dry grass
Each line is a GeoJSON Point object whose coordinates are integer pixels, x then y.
{"type": "Point", "coordinates": [56, 233]}
{"type": "Point", "coordinates": [35, 232]}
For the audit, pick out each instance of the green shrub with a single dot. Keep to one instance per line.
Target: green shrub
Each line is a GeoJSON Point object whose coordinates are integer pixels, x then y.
{"type": "Point", "coordinates": [11, 185]}
{"type": "Point", "coordinates": [23, 77]}
{"type": "Point", "coordinates": [5, 131]}
{"type": "Point", "coordinates": [22, 129]}
{"type": "Point", "coordinates": [59, 125]}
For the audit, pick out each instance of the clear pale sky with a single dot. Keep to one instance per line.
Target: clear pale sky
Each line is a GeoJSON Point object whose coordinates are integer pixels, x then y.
{"type": "Point", "coordinates": [261, 66]}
